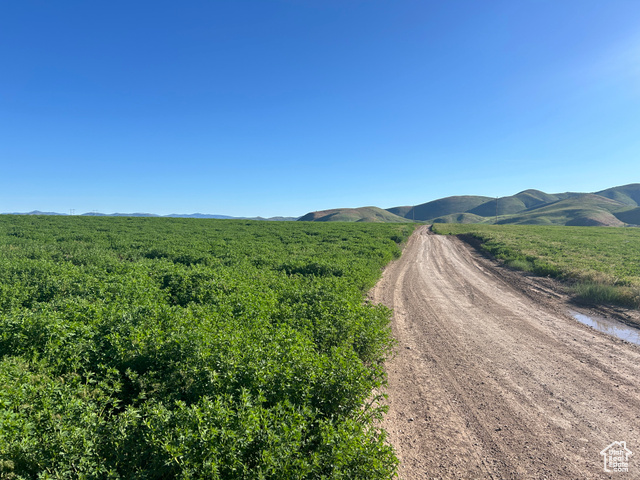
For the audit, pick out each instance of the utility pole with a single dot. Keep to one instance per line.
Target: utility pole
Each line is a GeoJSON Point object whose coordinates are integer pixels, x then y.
{"type": "Point", "coordinates": [496, 210]}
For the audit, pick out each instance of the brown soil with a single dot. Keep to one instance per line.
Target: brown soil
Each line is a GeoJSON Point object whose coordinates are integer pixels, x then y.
{"type": "Point", "coordinates": [493, 378]}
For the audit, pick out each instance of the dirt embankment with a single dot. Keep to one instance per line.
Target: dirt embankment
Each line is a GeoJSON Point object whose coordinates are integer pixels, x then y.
{"type": "Point", "coordinates": [494, 379]}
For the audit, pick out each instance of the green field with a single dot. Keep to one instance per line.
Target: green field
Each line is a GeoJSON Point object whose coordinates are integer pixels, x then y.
{"type": "Point", "coordinates": [601, 263]}
{"type": "Point", "coordinates": [156, 348]}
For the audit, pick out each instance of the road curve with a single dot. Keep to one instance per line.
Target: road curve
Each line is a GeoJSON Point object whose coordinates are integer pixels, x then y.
{"type": "Point", "coordinates": [492, 378]}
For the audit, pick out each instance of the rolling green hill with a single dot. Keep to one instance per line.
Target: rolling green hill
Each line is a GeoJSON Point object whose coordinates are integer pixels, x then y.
{"type": "Point", "coordinates": [401, 211]}
{"type": "Point", "coordinates": [584, 210]}
{"type": "Point", "coordinates": [535, 198]}
{"type": "Point", "coordinates": [460, 218]}
{"type": "Point", "coordinates": [364, 214]}
{"type": "Point", "coordinates": [631, 216]}
{"type": "Point", "coordinates": [533, 207]}
{"type": "Point", "coordinates": [627, 194]}
{"type": "Point", "coordinates": [499, 206]}
{"type": "Point", "coordinates": [445, 206]}
{"type": "Point", "coordinates": [612, 207]}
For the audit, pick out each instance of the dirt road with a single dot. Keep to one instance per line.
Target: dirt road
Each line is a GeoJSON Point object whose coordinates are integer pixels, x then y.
{"type": "Point", "coordinates": [493, 378]}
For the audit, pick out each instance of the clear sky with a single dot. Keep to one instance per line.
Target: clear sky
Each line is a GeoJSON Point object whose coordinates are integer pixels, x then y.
{"type": "Point", "coordinates": [280, 107]}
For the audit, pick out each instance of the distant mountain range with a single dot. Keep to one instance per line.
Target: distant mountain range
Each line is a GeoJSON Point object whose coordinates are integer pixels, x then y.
{"type": "Point", "coordinates": [617, 206]}
{"type": "Point", "coordinates": [173, 215]}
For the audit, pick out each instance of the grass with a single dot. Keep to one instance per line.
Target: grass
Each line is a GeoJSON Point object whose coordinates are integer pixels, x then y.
{"type": "Point", "coordinates": [601, 293]}
{"type": "Point", "coordinates": [602, 264]}
{"type": "Point", "coordinates": [521, 264]}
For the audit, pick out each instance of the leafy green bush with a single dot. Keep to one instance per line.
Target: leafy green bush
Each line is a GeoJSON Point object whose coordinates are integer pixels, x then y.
{"type": "Point", "coordinates": [590, 292]}
{"type": "Point", "coordinates": [142, 348]}
{"type": "Point", "coordinates": [520, 264]}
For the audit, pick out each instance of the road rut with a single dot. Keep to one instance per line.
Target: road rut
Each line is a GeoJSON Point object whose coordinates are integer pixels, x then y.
{"type": "Point", "coordinates": [495, 380]}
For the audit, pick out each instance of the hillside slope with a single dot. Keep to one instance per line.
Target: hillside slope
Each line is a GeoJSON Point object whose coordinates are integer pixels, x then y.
{"type": "Point", "coordinates": [584, 211]}
{"type": "Point", "coordinates": [363, 214]}
{"type": "Point", "coordinates": [443, 206]}
{"type": "Point", "coordinates": [627, 194]}
{"type": "Point", "coordinates": [614, 206]}
{"type": "Point", "coordinates": [631, 216]}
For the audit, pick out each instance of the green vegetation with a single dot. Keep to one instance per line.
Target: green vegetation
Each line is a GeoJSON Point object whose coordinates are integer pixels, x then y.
{"type": "Point", "coordinates": [613, 207]}
{"type": "Point", "coordinates": [459, 218]}
{"type": "Point", "coordinates": [444, 206]}
{"type": "Point", "coordinates": [364, 214]}
{"type": "Point", "coordinates": [631, 216]}
{"type": "Point", "coordinates": [627, 194]}
{"type": "Point", "coordinates": [156, 348]}
{"type": "Point", "coordinates": [585, 210]}
{"type": "Point", "coordinates": [535, 198]}
{"type": "Point", "coordinates": [602, 264]}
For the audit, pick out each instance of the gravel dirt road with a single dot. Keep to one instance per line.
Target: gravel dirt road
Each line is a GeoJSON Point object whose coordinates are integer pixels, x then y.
{"type": "Point", "coordinates": [494, 379]}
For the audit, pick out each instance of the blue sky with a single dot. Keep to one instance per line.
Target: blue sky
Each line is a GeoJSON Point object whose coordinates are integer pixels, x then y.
{"type": "Point", "coordinates": [280, 107]}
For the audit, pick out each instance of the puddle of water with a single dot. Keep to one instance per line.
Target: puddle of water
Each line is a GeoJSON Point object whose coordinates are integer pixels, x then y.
{"type": "Point", "coordinates": [612, 327]}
